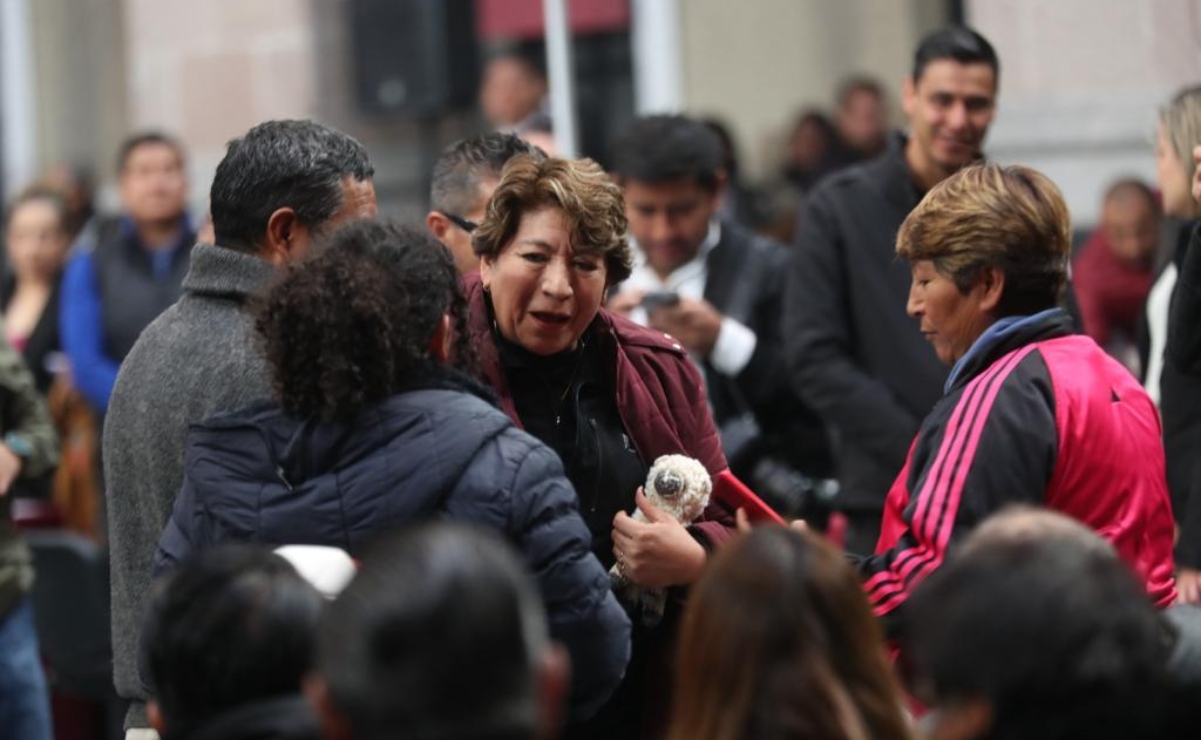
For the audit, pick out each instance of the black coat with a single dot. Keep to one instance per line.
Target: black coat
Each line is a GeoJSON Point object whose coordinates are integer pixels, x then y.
{"type": "Point", "coordinates": [855, 356]}
{"type": "Point", "coordinates": [1184, 339]}
{"type": "Point", "coordinates": [438, 451]}
{"type": "Point", "coordinates": [745, 281]}
{"type": "Point", "coordinates": [1181, 393]}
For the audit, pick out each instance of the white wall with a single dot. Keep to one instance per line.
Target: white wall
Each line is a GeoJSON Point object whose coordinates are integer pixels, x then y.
{"type": "Point", "coordinates": [1081, 83]}
{"type": "Point", "coordinates": [756, 63]}
{"type": "Point", "coordinates": [17, 107]}
{"type": "Point", "coordinates": [207, 71]}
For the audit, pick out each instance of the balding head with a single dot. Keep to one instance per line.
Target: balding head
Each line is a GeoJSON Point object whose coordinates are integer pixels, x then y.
{"type": "Point", "coordinates": [1017, 525]}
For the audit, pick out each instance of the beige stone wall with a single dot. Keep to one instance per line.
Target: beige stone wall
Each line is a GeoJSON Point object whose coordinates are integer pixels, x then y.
{"type": "Point", "coordinates": [78, 76]}
{"type": "Point", "coordinates": [1081, 82]}
{"type": "Point", "coordinates": [208, 70]}
{"type": "Point", "coordinates": [1092, 48]}
{"type": "Point", "coordinates": [755, 64]}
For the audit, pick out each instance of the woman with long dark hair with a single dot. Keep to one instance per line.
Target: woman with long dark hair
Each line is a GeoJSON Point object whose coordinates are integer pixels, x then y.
{"type": "Point", "coordinates": [35, 243]}
{"type": "Point", "coordinates": [781, 644]}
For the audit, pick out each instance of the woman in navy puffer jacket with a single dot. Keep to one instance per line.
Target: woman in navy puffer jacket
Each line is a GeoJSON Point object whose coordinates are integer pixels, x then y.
{"type": "Point", "coordinates": [374, 429]}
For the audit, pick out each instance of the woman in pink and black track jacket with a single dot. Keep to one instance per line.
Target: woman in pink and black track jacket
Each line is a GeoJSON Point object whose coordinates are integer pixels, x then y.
{"type": "Point", "coordinates": [1032, 412]}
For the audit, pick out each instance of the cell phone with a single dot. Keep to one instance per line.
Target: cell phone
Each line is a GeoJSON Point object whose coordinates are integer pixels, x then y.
{"type": "Point", "coordinates": [734, 493]}
{"type": "Point", "coordinates": [660, 299]}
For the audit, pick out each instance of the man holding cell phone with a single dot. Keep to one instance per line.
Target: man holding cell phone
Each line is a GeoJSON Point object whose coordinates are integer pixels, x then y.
{"type": "Point", "coordinates": [714, 287]}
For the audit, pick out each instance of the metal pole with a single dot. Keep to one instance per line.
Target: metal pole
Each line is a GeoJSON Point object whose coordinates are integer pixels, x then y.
{"type": "Point", "coordinates": [18, 106]}
{"type": "Point", "coordinates": [561, 72]}
{"type": "Point", "coordinates": [658, 66]}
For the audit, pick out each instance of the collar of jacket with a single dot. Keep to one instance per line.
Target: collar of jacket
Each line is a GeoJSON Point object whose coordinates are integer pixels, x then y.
{"type": "Point", "coordinates": [625, 333]}
{"type": "Point", "coordinates": [315, 446]}
{"type": "Point", "coordinates": [127, 230]}
{"type": "Point", "coordinates": [303, 449]}
{"type": "Point", "coordinates": [895, 177]}
{"type": "Point", "coordinates": [221, 272]}
{"type": "Point", "coordinates": [1183, 239]}
{"type": "Point", "coordinates": [1004, 336]}
{"type": "Point", "coordinates": [425, 376]}
{"type": "Point", "coordinates": [431, 375]}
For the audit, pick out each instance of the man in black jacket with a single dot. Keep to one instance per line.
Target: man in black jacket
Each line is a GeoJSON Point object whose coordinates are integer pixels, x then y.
{"type": "Point", "coordinates": [717, 289]}
{"type": "Point", "coordinates": [854, 354]}
{"type": "Point", "coordinates": [114, 286]}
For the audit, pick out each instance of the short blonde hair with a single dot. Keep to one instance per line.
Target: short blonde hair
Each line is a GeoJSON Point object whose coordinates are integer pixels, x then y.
{"type": "Point", "coordinates": [1181, 121]}
{"type": "Point", "coordinates": [592, 202]}
{"type": "Point", "coordinates": [988, 216]}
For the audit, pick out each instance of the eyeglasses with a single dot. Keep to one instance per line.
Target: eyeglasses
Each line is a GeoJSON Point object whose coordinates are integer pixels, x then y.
{"type": "Point", "coordinates": [462, 223]}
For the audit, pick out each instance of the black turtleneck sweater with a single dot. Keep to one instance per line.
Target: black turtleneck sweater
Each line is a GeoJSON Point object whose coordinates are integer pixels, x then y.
{"type": "Point", "coordinates": [567, 401]}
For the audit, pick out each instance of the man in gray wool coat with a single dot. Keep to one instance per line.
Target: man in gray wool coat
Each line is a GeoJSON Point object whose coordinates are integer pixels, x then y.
{"type": "Point", "coordinates": [278, 188]}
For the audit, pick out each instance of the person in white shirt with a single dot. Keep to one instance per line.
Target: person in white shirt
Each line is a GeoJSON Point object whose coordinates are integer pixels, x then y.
{"type": "Point", "coordinates": [717, 289]}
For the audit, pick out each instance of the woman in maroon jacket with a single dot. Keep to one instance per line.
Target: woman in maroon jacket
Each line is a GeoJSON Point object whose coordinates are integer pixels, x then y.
{"type": "Point", "coordinates": [607, 395]}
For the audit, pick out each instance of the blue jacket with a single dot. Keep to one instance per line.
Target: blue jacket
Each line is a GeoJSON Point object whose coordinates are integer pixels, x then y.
{"type": "Point", "coordinates": [439, 451]}
{"type": "Point", "coordinates": [111, 291]}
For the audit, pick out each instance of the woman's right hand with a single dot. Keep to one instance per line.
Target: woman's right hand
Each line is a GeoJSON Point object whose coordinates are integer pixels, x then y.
{"type": "Point", "coordinates": [1188, 586]}
{"type": "Point", "coordinates": [659, 552]}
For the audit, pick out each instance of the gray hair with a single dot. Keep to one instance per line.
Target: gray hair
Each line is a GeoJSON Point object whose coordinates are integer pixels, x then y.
{"type": "Point", "coordinates": [455, 184]}
{"type": "Point", "coordinates": [277, 164]}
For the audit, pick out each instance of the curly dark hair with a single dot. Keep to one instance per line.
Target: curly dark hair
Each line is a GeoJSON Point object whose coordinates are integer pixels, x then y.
{"type": "Point", "coordinates": [348, 327]}
{"type": "Point", "coordinates": [591, 201]}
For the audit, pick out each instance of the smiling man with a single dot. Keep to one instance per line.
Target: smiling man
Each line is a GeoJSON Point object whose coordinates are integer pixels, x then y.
{"type": "Point", "coordinates": [854, 355]}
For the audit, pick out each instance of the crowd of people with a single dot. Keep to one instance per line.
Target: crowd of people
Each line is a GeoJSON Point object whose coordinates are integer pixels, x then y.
{"type": "Point", "coordinates": [364, 480]}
